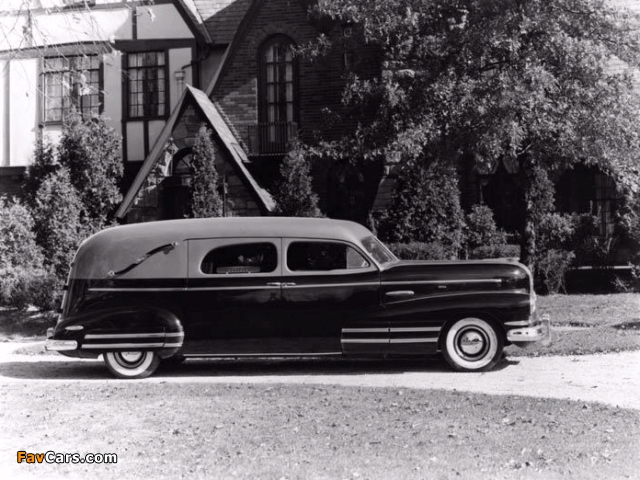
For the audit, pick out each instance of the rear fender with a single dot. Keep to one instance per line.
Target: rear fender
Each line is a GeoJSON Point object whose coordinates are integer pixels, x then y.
{"type": "Point", "coordinates": [136, 327]}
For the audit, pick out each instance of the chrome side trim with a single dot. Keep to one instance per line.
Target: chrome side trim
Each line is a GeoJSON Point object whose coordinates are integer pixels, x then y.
{"type": "Point", "coordinates": [172, 345]}
{"type": "Point", "coordinates": [440, 282]}
{"type": "Point", "coordinates": [139, 289]}
{"type": "Point", "coordinates": [415, 329]}
{"type": "Point", "coordinates": [414, 340]}
{"type": "Point", "coordinates": [364, 340]}
{"type": "Point", "coordinates": [93, 346]}
{"type": "Point", "coordinates": [365, 330]}
{"type": "Point", "coordinates": [326, 285]}
{"type": "Point", "coordinates": [92, 336]}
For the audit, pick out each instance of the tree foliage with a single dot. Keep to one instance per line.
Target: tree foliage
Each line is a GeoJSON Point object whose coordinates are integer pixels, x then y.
{"type": "Point", "coordinates": [494, 80]}
{"type": "Point", "coordinates": [90, 150]}
{"type": "Point", "coordinates": [294, 194]}
{"type": "Point", "coordinates": [205, 199]}
{"type": "Point", "coordinates": [59, 228]}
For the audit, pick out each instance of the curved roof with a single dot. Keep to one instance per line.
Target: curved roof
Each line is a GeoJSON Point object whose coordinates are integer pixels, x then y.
{"type": "Point", "coordinates": [167, 231]}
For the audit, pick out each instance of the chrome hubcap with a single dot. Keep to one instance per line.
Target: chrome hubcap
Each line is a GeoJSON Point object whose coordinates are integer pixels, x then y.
{"type": "Point", "coordinates": [471, 343]}
{"type": "Point", "coordinates": [131, 357]}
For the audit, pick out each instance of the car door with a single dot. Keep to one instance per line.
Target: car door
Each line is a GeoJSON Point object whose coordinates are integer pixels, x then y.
{"type": "Point", "coordinates": [232, 296]}
{"type": "Point", "coordinates": [331, 297]}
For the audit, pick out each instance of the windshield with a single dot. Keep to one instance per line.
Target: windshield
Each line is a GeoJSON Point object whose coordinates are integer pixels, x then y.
{"type": "Point", "coordinates": [378, 250]}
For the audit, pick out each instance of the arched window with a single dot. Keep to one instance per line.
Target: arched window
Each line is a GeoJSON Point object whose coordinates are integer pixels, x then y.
{"type": "Point", "coordinates": [277, 102]}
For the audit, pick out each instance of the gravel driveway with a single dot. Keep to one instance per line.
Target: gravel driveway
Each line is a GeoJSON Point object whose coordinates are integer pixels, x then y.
{"type": "Point", "coordinates": [613, 379]}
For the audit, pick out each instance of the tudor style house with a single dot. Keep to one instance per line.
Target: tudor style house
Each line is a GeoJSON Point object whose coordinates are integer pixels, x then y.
{"type": "Point", "coordinates": [159, 70]}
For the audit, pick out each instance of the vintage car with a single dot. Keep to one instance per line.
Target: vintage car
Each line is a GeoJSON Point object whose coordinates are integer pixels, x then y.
{"type": "Point", "coordinates": [231, 287]}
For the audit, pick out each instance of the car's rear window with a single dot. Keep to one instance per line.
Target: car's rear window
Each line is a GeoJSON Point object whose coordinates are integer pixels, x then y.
{"type": "Point", "coordinates": [242, 258]}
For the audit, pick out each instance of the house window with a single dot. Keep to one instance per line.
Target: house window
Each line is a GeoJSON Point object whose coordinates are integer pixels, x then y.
{"type": "Point", "coordinates": [72, 81]}
{"type": "Point", "coordinates": [605, 203]}
{"type": "Point", "coordinates": [277, 94]}
{"type": "Point", "coordinates": [147, 92]}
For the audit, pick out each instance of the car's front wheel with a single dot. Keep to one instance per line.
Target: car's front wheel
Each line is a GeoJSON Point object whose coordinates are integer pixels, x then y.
{"type": "Point", "coordinates": [134, 364]}
{"type": "Point", "coordinates": [472, 345]}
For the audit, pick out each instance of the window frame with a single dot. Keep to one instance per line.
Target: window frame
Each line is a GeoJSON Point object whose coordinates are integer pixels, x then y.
{"type": "Point", "coordinates": [263, 82]}
{"type": "Point", "coordinates": [164, 96]}
{"type": "Point", "coordinates": [286, 242]}
{"type": "Point", "coordinates": [74, 98]}
{"type": "Point", "coordinates": [199, 248]}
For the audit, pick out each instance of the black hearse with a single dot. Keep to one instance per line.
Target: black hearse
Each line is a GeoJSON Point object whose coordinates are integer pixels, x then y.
{"type": "Point", "coordinates": [230, 287]}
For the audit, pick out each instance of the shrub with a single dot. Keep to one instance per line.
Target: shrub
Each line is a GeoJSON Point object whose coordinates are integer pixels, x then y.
{"type": "Point", "coordinates": [17, 239]}
{"type": "Point", "coordinates": [420, 251]}
{"type": "Point", "coordinates": [90, 150]}
{"type": "Point", "coordinates": [59, 230]}
{"type": "Point", "coordinates": [481, 229]}
{"type": "Point", "coordinates": [44, 163]}
{"type": "Point", "coordinates": [591, 248]}
{"type": "Point", "coordinates": [495, 251]}
{"type": "Point", "coordinates": [205, 199]}
{"type": "Point", "coordinates": [552, 267]}
{"type": "Point", "coordinates": [293, 194]}
{"type": "Point", "coordinates": [426, 206]}
{"type": "Point", "coordinates": [21, 287]}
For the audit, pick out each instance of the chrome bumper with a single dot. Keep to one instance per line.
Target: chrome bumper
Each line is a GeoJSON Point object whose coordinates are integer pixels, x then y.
{"type": "Point", "coordinates": [52, 345]}
{"type": "Point", "coordinates": [528, 335]}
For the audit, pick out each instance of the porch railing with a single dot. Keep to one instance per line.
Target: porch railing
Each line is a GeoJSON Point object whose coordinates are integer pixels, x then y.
{"type": "Point", "coordinates": [270, 138]}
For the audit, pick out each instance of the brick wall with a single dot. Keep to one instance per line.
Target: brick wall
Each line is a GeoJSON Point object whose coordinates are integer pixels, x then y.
{"type": "Point", "coordinates": [320, 81]}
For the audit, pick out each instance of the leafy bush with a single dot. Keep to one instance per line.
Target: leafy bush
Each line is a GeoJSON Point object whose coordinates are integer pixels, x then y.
{"type": "Point", "coordinates": [420, 251]}
{"type": "Point", "coordinates": [21, 287]}
{"type": "Point", "coordinates": [426, 206]}
{"type": "Point", "coordinates": [90, 150]}
{"type": "Point", "coordinates": [551, 269]}
{"type": "Point", "coordinates": [495, 251]}
{"type": "Point", "coordinates": [293, 194]}
{"type": "Point", "coordinates": [481, 229]}
{"type": "Point", "coordinates": [205, 199]}
{"type": "Point", "coordinates": [17, 240]}
{"type": "Point", "coordinates": [591, 248]}
{"type": "Point", "coordinates": [555, 231]}
{"type": "Point", "coordinates": [57, 212]}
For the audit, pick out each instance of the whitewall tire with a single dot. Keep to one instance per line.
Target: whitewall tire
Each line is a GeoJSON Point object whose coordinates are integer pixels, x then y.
{"type": "Point", "coordinates": [134, 364]}
{"type": "Point", "coordinates": [472, 345]}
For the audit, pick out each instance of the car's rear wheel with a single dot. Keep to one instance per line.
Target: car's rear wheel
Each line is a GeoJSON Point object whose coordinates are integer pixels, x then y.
{"type": "Point", "coordinates": [472, 345]}
{"type": "Point", "coordinates": [133, 364]}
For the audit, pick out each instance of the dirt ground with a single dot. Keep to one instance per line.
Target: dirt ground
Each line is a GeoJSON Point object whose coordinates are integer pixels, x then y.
{"type": "Point", "coordinates": [611, 379]}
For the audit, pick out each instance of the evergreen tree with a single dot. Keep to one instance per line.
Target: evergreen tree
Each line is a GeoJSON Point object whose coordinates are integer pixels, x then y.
{"type": "Point", "coordinates": [205, 199]}
{"type": "Point", "coordinates": [294, 195]}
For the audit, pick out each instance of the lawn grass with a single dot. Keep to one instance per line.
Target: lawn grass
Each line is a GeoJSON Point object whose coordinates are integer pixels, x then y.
{"type": "Point", "coordinates": [586, 324]}
{"type": "Point", "coordinates": [312, 432]}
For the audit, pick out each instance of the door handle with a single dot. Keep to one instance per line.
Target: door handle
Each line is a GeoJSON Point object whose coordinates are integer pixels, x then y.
{"type": "Point", "coordinates": [274, 284]}
{"type": "Point", "coordinates": [288, 284]}
{"type": "Point", "coordinates": [400, 293]}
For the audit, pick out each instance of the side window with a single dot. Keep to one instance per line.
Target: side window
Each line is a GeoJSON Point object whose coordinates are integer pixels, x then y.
{"type": "Point", "coordinates": [244, 258]}
{"type": "Point", "coordinates": [323, 256]}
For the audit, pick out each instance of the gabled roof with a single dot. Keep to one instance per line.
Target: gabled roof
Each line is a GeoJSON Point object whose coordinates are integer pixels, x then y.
{"type": "Point", "coordinates": [192, 12]}
{"type": "Point", "coordinates": [222, 17]}
{"type": "Point", "coordinates": [227, 142]}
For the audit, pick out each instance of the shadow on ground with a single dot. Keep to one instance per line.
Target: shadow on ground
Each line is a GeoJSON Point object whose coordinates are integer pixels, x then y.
{"type": "Point", "coordinates": [45, 369]}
